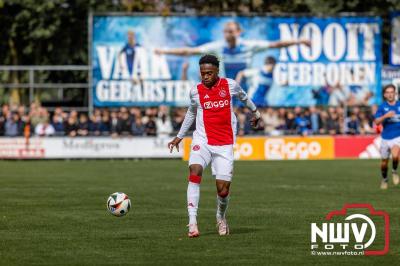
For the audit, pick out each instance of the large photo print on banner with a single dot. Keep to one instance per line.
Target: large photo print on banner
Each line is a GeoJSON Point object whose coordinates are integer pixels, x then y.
{"type": "Point", "coordinates": [279, 61]}
{"type": "Point", "coordinates": [394, 57]}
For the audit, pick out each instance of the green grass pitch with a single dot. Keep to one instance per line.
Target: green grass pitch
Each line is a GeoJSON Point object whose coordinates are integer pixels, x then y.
{"type": "Point", "coordinates": [54, 212]}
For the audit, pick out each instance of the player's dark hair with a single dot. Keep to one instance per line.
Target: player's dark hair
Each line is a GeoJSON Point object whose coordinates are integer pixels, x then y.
{"type": "Point", "coordinates": [209, 59]}
{"type": "Point", "coordinates": [270, 60]}
{"type": "Point", "coordinates": [388, 87]}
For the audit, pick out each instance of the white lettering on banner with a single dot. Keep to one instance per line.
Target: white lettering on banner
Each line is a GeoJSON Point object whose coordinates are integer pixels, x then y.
{"type": "Point", "coordinates": [278, 149]}
{"type": "Point", "coordinates": [336, 43]}
{"type": "Point", "coordinates": [106, 56]}
{"type": "Point", "coordinates": [308, 32]}
{"type": "Point", "coordinates": [146, 91]}
{"type": "Point", "coordinates": [145, 65]}
{"type": "Point", "coordinates": [244, 149]}
{"type": "Point", "coordinates": [334, 39]}
{"type": "Point", "coordinates": [319, 74]}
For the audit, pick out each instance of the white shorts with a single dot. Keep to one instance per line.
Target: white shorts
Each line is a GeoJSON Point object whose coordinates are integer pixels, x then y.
{"type": "Point", "coordinates": [387, 145]}
{"type": "Point", "coordinates": [221, 158]}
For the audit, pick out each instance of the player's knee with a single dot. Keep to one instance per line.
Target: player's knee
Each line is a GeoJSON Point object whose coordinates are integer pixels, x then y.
{"type": "Point", "coordinates": [223, 193]}
{"type": "Point", "coordinates": [195, 170]}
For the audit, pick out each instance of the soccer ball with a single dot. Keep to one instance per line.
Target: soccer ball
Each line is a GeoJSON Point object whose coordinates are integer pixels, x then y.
{"type": "Point", "coordinates": [118, 204]}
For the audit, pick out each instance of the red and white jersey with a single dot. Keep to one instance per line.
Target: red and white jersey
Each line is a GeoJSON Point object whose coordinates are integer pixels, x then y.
{"type": "Point", "coordinates": [213, 110]}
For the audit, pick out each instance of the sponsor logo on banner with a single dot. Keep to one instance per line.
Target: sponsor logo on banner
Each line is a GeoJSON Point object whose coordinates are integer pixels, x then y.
{"type": "Point", "coordinates": [96, 145]}
{"type": "Point", "coordinates": [363, 147]}
{"type": "Point", "coordinates": [260, 148]}
{"type": "Point", "coordinates": [21, 148]}
{"type": "Point", "coordinates": [357, 229]}
{"type": "Point", "coordinates": [299, 148]}
{"type": "Point", "coordinates": [85, 147]}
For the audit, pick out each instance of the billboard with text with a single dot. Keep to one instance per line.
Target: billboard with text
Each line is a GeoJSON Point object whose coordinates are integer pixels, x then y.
{"type": "Point", "coordinates": [279, 61]}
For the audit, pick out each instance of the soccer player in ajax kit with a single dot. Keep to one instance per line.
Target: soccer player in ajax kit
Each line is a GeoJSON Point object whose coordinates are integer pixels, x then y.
{"type": "Point", "coordinates": [388, 114]}
{"type": "Point", "coordinates": [213, 139]}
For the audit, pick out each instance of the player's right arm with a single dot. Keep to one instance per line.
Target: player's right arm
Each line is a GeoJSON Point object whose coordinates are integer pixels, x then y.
{"type": "Point", "coordinates": [211, 47]}
{"type": "Point", "coordinates": [245, 74]}
{"type": "Point", "coordinates": [179, 51]}
{"type": "Point", "coordinates": [380, 116]}
{"type": "Point", "coordinates": [187, 123]}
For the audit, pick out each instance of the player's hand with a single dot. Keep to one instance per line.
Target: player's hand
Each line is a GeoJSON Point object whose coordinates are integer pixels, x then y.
{"type": "Point", "coordinates": [390, 114]}
{"type": "Point", "coordinates": [158, 51]}
{"type": "Point", "coordinates": [305, 42]}
{"type": "Point", "coordinates": [255, 119]}
{"type": "Point", "coordinates": [174, 143]}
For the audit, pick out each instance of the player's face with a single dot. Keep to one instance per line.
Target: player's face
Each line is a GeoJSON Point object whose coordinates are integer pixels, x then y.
{"type": "Point", "coordinates": [131, 37]}
{"type": "Point", "coordinates": [209, 74]}
{"type": "Point", "coordinates": [389, 94]}
{"type": "Point", "coordinates": [231, 32]}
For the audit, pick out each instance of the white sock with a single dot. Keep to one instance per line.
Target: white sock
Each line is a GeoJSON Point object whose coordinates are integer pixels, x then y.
{"type": "Point", "coordinates": [193, 197]}
{"type": "Point", "coordinates": [222, 205]}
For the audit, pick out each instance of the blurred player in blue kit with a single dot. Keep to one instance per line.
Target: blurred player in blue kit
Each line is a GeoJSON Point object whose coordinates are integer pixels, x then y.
{"type": "Point", "coordinates": [129, 50]}
{"type": "Point", "coordinates": [262, 81]}
{"type": "Point", "coordinates": [388, 114]}
{"type": "Point", "coordinates": [235, 53]}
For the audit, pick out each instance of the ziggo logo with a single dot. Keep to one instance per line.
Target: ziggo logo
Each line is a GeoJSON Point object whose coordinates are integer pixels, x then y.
{"type": "Point", "coordinates": [215, 104]}
{"type": "Point", "coordinates": [279, 149]}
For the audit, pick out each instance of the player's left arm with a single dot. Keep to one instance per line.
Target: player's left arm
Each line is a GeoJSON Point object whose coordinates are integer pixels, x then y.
{"type": "Point", "coordinates": [262, 45]}
{"type": "Point", "coordinates": [287, 43]}
{"type": "Point", "coordinates": [237, 91]}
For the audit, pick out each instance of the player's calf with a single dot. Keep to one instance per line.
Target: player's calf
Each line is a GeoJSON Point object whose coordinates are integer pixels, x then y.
{"type": "Point", "coordinates": [395, 176]}
{"type": "Point", "coordinates": [384, 170]}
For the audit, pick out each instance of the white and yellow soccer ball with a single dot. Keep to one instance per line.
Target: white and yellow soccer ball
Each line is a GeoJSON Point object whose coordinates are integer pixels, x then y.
{"type": "Point", "coordinates": [118, 204]}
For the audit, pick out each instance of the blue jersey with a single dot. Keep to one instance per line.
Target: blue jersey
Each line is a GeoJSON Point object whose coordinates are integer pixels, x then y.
{"type": "Point", "coordinates": [234, 59]}
{"type": "Point", "coordinates": [130, 56]}
{"type": "Point", "coordinates": [265, 80]}
{"type": "Point", "coordinates": [391, 126]}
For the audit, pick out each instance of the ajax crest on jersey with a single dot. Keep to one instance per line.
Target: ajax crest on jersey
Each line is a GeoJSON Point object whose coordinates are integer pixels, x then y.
{"type": "Point", "coordinates": [222, 93]}
{"type": "Point", "coordinates": [118, 204]}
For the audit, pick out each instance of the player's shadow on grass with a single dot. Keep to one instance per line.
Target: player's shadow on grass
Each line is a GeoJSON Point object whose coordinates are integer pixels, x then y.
{"type": "Point", "coordinates": [233, 231]}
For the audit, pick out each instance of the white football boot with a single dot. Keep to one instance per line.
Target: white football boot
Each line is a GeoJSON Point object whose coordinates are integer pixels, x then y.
{"type": "Point", "coordinates": [395, 178]}
{"type": "Point", "coordinates": [223, 228]}
{"type": "Point", "coordinates": [384, 184]}
{"type": "Point", "coordinates": [193, 230]}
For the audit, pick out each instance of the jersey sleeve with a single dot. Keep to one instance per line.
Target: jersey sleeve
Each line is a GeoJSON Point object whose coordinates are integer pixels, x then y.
{"type": "Point", "coordinates": [257, 45]}
{"type": "Point", "coordinates": [123, 50]}
{"type": "Point", "coordinates": [211, 47]}
{"type": "Point", "coordinates": [250, 72]}
{"type": "Point", "coordinates": [379, 112]}
{"type": "Point", "coordinates": [237, 91]}
{"type": "Point", "coordinates": [189, 117]}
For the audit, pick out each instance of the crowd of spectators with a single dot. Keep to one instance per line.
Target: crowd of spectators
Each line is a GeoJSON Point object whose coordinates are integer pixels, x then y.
{"type": "Point", "coordinates": [165, 121]}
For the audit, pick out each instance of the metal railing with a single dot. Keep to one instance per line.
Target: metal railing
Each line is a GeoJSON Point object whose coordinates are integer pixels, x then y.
{"type": "Point", "coordinates": [31, 85]}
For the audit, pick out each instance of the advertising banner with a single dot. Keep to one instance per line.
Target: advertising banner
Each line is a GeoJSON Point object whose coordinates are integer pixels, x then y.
{"type": "Point", "coordinates": [391, 75]}
{"type": "Point", "coordinates": [85, 147]}
{"type": "Point", "coordinates": [394, 55]}
{"type": "Point", "coordinates": [278, 148]}
{"type": "Point", "coordinates": [246, 148]}
{"type": "Point", "coordinates": [279, 61]}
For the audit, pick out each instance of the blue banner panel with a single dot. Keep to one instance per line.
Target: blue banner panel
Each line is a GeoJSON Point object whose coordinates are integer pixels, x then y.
{"type": "Point", "coordinates": [279, 61]}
